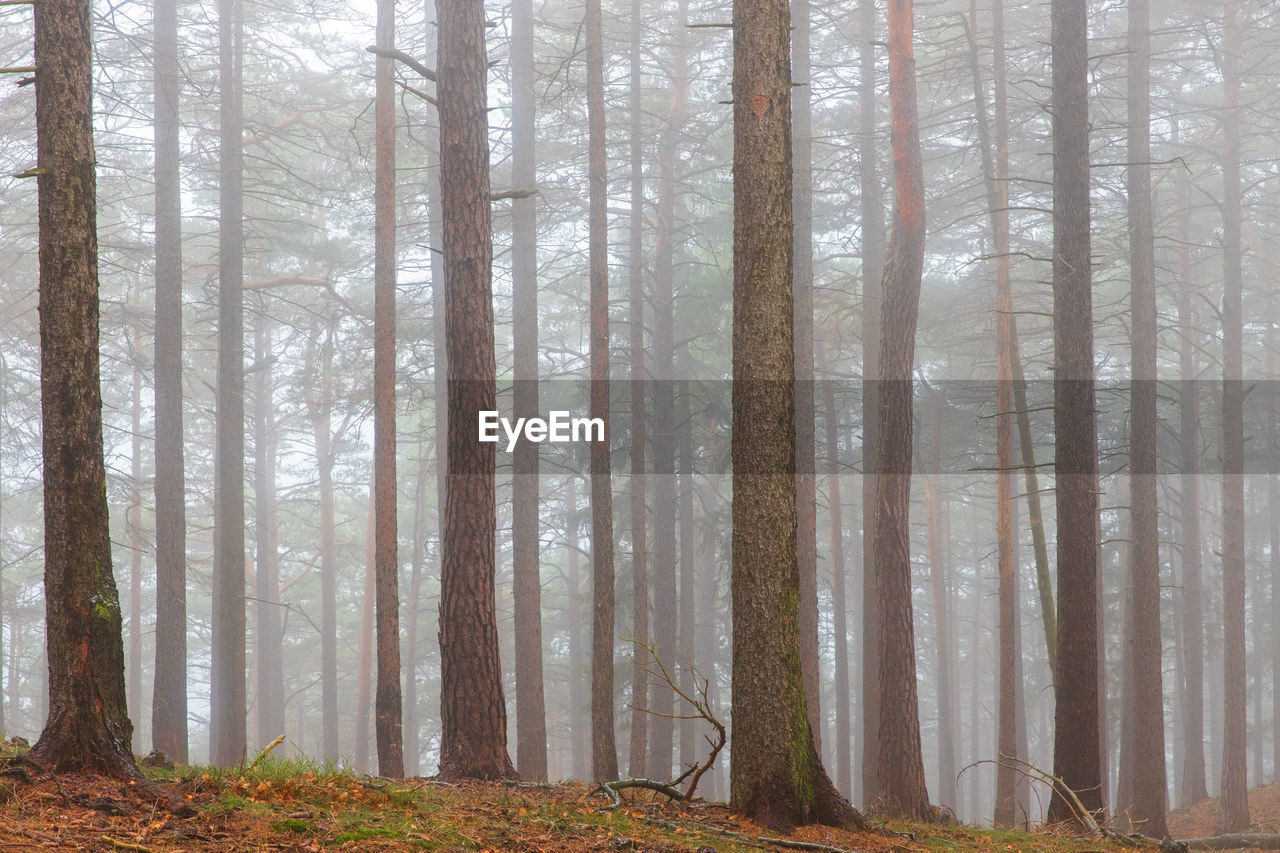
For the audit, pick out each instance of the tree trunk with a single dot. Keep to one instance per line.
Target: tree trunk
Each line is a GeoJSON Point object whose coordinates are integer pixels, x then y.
{"type": "Point", "coordinates": [577, 699]}
{"type": "Point", "coordinates": [531, 714]}
{"type": "Point", "coordinates": [709, 624]}
{"type": "Point", "coordinates": [364, 675]}
{"type": "Point", "coordinates": [691, 746]}
{"type": "Point", "coordinates": [664, 434]}
{"type": "Point", "coordinates": [389, 721]}
{"type": "Point", "coordinates": [806, 482]}
{"type": "Point", "coordinates": [776, 776]}
{"type": "Point", "coordinates": [227, 732]}
{"type": "Point", "coordinates": [1144, 632]}
{"type": "Point", "coordinates": [639, 531]}
{"type": "Point", "coordinates": [268, 630]}
{"type": "Point", "coordinates": [321, 422]}
{"type": "Point", "coordinates": [88, 728]}
{"type": "Point", "coordinates": [1235, 805]}
{"type": "Point", "coordinates": [936, 525]}
{"type": "Point", "coordinates": [472, 709]}
{"type": "Point", "coordinates": [902, 789]}
{"type": "Point", "coordinates": [871, 204]}
{"type": "Point", "coordinates": [604, 753]}
{"type": "Point", "coordinates": [1077, 758]}
{"type": "Point", "coordinates": [133, 670]}
{"type": "Point", "coordinates": [418, 566]}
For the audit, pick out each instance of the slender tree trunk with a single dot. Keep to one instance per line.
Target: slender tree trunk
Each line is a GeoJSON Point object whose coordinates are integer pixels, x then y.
{"type": "Point", "coordinates": [639, 531]}
{"type": "Point", "coordinates": [268, 630]}
{"type": "Point", "coordinates": [1193, 789]}
{"type": "Point", "coordinates": [1273, 525]}
{"type": "Point", "coordinates": [604, 753]}
{"type": "Point", "coordinates": [1077, 758]}
{"type": "Point", "coordinates": [88, 728]}
{"type": "Point", "coordinates": [902, 789]}
{"type": "Point", "coordinates": [690, 745]}
{"type": "Point", "coordinates": [364, 675]}
{"type": "Point", "coordinates": [709, 624]}
{"type": "Point", "coordinates": [935, 520]}
{"type": "Point", "coordinates": [839, 605]}
{"type": "Point", "coordinates": [1235, 805]}
{"type": "Point", "coordinates": [871, 206]}
{"type": "Point", "coordinates": [4, 402]}
{"type": "Point", "coordinates": [806, 482]}
{"type": "Point", "coordinates": [134, 668]}
{"type": "Point", "coordinates": [472, 709]}
{"type": "Point", "coordinates": [664, 435]}
{"type": "Point", "coordinates": [321, 421]}
{"type": "Point", "coordinates": [776, 776]}
{"type": "Point", "coordinates": [577, 696]}
{"type": "Point", "coordinates": [531, 715]}
{"type": "Point", "coordinates": [227, 732]}
{"type": "Point", "coordinates": [418, 564]}
{"type": "Point", "coordinates": [1144, 632]}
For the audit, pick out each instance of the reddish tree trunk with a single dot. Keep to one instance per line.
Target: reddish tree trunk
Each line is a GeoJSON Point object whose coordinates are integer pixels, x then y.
{"type": "Point", "coordinates": [472, 709]}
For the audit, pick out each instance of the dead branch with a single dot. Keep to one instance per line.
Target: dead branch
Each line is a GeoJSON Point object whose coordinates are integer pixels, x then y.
{"type": "Point", "coordinates": [401, 56]}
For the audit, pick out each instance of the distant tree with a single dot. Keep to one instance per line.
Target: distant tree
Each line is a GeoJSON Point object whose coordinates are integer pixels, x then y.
{"type": "Point", "coordinates": [88, 728]}
{"type": "Point", "coordinates": [639, 431]}
{"type": "Point", "coordinates": [776, 776]}
{"type": "Point", "coordinates": [473, 713]}
{"type": "Point", "coordinates": [1147, 806]}
{"type": "Point", "coordinates": [389, 722]}
{"type": "Point", "coordinates": [531, 714]}
{"type": "Point", "coordinates": [1235, 803]}
{"type": "Point", "coordinates": [227, 733]}
{"type": "Point", "coordinates": [268, 632]}
{"type": "Point", "coordinates": [1077, 759]}
{"type": "Point", "coordinates": [604, 753]}
{"type": "Point", "coordinates": [901, 788]}
{"type": "Point", "coordinates": [871, 215]}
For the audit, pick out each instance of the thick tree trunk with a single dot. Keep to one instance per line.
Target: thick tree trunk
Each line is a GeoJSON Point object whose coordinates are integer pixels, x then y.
{"type": "Point", "coordinates": [604, 753]}
{"type": "Point", "coordinates": [871, 207]}
{"type": "Point", "coordinates": [472, 709]}
{"type": "Point", "coordinates": [388, 719]}
{"type": "Point", "coordinates": [776, 776]}
{"type": "Point", "coordinates": [227, 723]}
{"type": "Point", "coordinates": [1148, 805]}
{"type": "Point", "coordinates": [269, 635]}
{"type": "Point", "coordinates": [531, 714]}
{"type": "Point", "coordinates": [639, 531]}
{"type": "Point", "coordinates": [88, 727]}
{"type": "Point", "coordinates": [1235, 805]}
{"type": "Point", "coordinates": [1077, 758]}
{"type": "Point", "coordinates": [902, 790]}
{"type": "Point", "coordinates": [806, 482]}
{"type": "Point", "coordinates": [664, 433]}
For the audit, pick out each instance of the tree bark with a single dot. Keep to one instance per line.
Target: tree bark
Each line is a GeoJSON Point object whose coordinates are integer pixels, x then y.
{"type": "Point", "coordinates": [1077, 757]}
{"type": "Point", "coordinates": [691, 746]}
{"type": "Point", "coordinates": [639, 432]}
{"type": "Point", "coordinates": [902, 790]}
{"type": "Point", "coordinates": [776, 776]}
{"type": "Point", "coordinates": [604, 753]}
{"type": "Point", "coordinates": [133, 668]}
{"type": "Point", "coordinates": [871, 204]}
{"type": "Point", "coordinates": [531, 714]}
{"type": "Point", "coordinates": [1148, 805]}
{"type": "Point", "coordinates": [1235, 804]}
{"type": "Point", "coordinates": [88, 728]}
{"type": "Point", "coordinates": [364, 674]}
{"type": "Point", "coordinates": [806, 482]}
{"type": "Point", "coordinates": [577, 700]}
{"type": "Point", "coordinates": [321, 422]}
{"type": "Point", "coordinates": [472, 709]}
{"type": "Point", "coordinates": [936, 524]}
{"type": "Point", "coordinates": [388, 714]}
{"type": "Point", "coordinates": [227, 723]}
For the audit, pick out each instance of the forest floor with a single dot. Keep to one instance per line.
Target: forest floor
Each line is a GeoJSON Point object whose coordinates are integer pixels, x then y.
{"type": "Point", "coordinates": [295, 806]}
{"type": "Point", "coordinates": [1201, 819]}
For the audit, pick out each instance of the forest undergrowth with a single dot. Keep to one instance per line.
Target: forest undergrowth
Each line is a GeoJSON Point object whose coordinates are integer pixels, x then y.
{"type": "Point", "coordinates": [298, 805]}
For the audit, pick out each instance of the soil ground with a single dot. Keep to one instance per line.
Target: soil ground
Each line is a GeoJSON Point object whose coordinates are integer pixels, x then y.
{"type": "Point", "coordinates": [1202, 819]}
{"type": "Point", "coordinates": [293, 806]}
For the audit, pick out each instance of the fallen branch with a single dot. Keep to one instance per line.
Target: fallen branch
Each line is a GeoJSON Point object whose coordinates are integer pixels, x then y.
{"type": "Point", "coordinates": [1253, 841]}
{"type": "Point", "coordinates": [124, 845]}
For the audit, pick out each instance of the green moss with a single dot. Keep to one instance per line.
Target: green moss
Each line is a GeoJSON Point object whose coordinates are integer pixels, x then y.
{"type": "Point", "coordinates": [301, 827]}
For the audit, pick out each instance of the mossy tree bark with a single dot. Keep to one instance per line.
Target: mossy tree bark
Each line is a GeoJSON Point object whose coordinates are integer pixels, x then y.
{"type": "Point", "coordinates": [776, 776]}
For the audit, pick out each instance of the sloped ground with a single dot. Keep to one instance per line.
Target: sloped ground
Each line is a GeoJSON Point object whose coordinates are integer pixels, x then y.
{"type": "Point", "coordinates": [1202, 819]}
{"type": "Point", "coordinates": [292, 806]}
